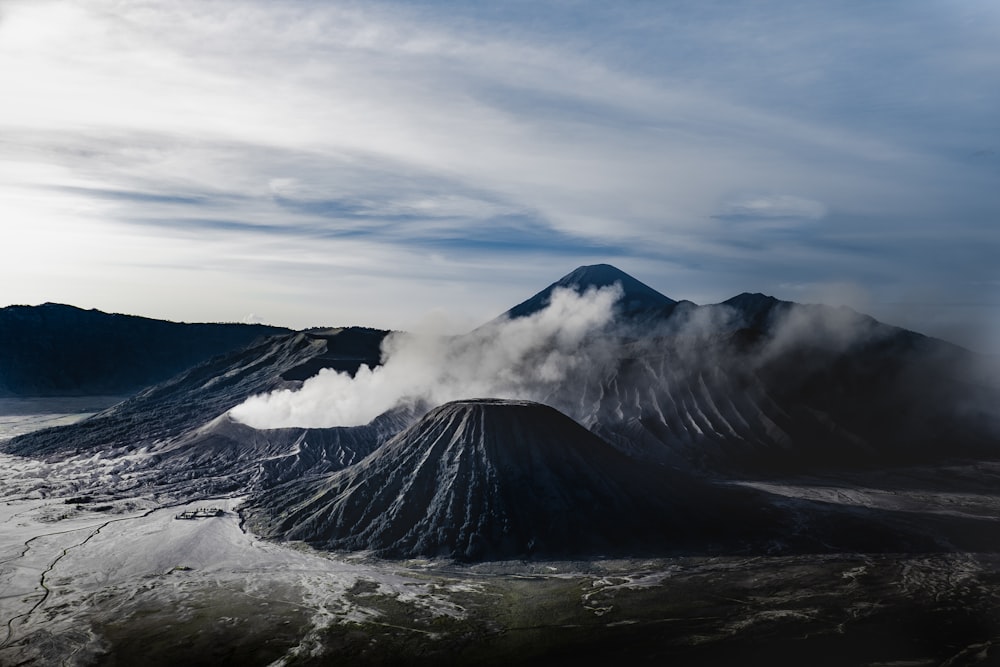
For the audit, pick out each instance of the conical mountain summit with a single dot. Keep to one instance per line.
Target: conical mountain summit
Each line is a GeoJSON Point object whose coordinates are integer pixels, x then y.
{"type": "Point", "coordinates": [638, 299]}
{"type": "Point", "coordinates": [497, 479]}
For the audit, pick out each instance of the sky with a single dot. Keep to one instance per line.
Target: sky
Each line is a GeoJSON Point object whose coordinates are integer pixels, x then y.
{"type": "Point", "coordinates": [432, 163]}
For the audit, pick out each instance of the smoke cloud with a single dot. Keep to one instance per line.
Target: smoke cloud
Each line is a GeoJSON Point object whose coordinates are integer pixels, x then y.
{"type": "Point", "coordinates": [525, 358]}
{"type": "Point", "coordinates": [578, 357]}
{"type": "Point", "coordinates": [835, 329]}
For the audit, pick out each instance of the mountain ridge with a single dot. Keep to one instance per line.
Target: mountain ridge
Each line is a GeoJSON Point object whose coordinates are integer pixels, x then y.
{"type": "Point", "coordinates": [62, 350]}
{"type": "Point", "coordinates": [754, 387]}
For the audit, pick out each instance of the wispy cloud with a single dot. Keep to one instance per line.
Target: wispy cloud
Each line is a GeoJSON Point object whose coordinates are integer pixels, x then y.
{"type": "Point", "coordinates": [708, 147]}
{"type": "Point", "coordinates": [772, 208]}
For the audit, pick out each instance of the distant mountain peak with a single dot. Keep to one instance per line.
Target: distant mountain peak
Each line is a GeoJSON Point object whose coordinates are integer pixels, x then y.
{"type": "Point", "coordinates": [594, 274]}
{"type": "Point", "coordinates": [757, 309]}
{"type": "Point", "coordinates": [752, 297]}
{"type": "Point", "coordinates": [637, 299]}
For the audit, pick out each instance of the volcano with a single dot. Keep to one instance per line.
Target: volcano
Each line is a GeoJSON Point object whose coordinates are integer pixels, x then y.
{"type": "Point", "coordinates": [497, 479]}
{"type": "Point", "coordinates": [638, 299]}
{"type": "Point", "coordinates": [749, 388]}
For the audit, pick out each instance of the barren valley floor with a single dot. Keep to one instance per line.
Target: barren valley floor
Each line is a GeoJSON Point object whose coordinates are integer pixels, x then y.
{"type": "Point", "coordinates": [124, 582]}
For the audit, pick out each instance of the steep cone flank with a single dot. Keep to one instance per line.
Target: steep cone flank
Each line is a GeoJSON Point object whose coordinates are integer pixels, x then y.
{"type": "Point", "coordinates": [638, 299]}
{"type": "Point", "coordinates": [488, 479]}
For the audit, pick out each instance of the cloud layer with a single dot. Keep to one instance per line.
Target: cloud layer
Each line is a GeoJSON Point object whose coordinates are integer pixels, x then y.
{"type": "Point", "coordinates": [345, 163]}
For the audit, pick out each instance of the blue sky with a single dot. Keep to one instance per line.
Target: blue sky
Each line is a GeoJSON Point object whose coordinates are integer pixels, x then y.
{"type": "Point", "coordinates": [393, 163]}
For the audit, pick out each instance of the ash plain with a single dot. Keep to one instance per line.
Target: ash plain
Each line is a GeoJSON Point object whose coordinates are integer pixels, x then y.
{"type": "Point", "coordinates": [119, 581]}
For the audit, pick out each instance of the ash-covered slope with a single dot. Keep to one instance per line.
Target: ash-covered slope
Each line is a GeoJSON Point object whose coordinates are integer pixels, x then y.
{"type": "Point", "coordinates": [58, 350]}
{"type": "Point", "coordinates": [197, 396]}
{"type": "Point", "coordinates": [758, 385]}
{"type": "Point", "coordinates": [638, 299]}
{"type": "Point", "coordinates": [225, 456]}
{"type": "Point", "coordinates": [491, 479]}
{"type": "Point", "coordinates": [190, 445]}
{"type": "Point", "coordinates": [172, 408]}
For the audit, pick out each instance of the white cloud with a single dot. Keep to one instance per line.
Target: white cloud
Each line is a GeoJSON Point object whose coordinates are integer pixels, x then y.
{"type": "Point", "coordinates": [352, 84]}
{"type": "Point", "coordinates": [775, 207]}
{"type": "Point", "coordinates": [527, 358]}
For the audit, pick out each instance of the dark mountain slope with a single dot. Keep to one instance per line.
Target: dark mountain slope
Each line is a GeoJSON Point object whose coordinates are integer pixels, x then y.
{"type": "Point", "coordinates": [226, 456]}
{"type": "Point", "coordinates": [777, 387]}
{"type": "Point", "coordinates": [173, 408]}
{"type": "Point", "coordinates": [57, 350]}
{"type": "Point", "coordinates": [491, 479]}
{"type": "Point", "coordinates": [192, 447]}
{"type": "Point", "coordinates": [638, 300]}
{"type": "Point", "coordinates": [347, 349]}
{"type": "Point", "coordinates": [188, 446]}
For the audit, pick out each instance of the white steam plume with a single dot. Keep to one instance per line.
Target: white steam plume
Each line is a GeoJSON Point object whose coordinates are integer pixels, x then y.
{"type": "Point", "coordinates": [525, 358]}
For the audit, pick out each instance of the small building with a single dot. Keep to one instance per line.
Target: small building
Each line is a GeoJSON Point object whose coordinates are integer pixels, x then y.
{"type": "Point", "coordinates": [200, 513]}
